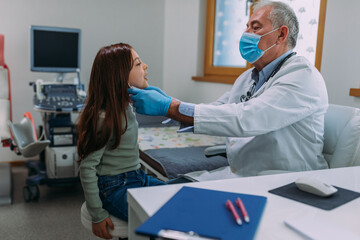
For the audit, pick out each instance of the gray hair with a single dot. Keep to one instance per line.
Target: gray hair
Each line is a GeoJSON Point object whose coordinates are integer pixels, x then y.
{"type": "Point", "coordinates": [282, 14]}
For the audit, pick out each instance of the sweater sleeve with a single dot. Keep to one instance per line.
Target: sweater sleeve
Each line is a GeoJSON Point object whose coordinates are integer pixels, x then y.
{"type": "Point", "coordinates": [89, 182]}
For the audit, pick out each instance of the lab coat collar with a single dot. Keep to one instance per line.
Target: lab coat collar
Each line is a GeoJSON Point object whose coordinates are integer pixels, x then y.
{"type": "Point", "coordinates": [261, 77]}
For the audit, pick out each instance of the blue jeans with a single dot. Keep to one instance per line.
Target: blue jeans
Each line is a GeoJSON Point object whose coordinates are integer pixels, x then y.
{"type": "Point", "coordinates": [112, 190]}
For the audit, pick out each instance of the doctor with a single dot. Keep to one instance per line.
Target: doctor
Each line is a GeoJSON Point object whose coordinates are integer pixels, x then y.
{"type": "Point", "coordinates": [273, 117]}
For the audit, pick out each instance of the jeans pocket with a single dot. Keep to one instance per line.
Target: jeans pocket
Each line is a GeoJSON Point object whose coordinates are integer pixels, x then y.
{"type": "Point", "coordinates": [108, 184]}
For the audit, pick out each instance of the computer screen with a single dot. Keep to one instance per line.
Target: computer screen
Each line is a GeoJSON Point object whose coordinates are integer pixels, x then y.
{"type": "Point", "coordinates": [54, 49]}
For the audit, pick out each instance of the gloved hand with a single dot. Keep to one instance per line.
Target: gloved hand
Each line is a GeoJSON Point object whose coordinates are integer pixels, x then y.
{"type": "Point", "coordinates": [150, 102]}
{"type": "Point", "coordinates": [156, 89]}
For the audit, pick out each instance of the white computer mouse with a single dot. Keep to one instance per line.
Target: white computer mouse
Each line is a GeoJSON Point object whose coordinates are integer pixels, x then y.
{"type": "Point", "coordinates": [315, 186]}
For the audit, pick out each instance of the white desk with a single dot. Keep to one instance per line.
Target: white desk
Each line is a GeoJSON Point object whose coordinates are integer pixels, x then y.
{"type": "Point", "coordinates": [144, 202]}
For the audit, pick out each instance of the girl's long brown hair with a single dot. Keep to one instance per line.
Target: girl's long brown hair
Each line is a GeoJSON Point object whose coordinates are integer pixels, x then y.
{"type": "Point", "coordinates": [108, 93]}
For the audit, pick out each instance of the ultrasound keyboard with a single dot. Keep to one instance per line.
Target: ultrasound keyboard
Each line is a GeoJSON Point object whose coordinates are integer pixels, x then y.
{"type": "Point", "coordinates": [59, 98]}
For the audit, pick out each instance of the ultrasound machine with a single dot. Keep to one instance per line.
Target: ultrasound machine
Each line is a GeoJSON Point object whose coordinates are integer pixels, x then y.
{"type": "Point", "coordinates": [56, 50]}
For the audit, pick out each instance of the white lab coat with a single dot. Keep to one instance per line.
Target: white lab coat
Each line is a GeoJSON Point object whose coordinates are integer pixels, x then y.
{"type": "Point", "coordinates": [280, 128]}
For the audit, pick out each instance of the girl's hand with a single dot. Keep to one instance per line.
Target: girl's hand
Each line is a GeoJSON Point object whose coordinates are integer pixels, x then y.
{"type": "Point", "coordinates": [101, 229]}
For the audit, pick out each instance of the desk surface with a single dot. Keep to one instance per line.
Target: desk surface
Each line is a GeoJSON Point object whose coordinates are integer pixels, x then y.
{"type": "Point", "coordinates": [144, 202]}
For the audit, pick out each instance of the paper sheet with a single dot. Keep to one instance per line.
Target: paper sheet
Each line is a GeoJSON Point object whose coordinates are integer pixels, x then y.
{"type": "Point", "coordinates": [220, 173]}
{"type": "Point", "coordinates": [311, 227]}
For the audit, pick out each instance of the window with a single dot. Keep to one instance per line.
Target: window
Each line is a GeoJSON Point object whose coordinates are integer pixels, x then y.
{"type": "Point", "coordinates": [226, 21]}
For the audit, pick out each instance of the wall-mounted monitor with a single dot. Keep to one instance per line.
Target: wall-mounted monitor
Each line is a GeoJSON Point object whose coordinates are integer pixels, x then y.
{"type": "Point", "coordinates": [54, 49]}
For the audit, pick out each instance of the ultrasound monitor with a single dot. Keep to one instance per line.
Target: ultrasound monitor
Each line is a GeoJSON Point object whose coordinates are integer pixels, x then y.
{"type": "Point", "coordinates": [54, 49]}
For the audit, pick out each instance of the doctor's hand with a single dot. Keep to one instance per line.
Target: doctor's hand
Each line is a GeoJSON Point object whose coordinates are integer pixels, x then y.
{"type": "Point", "coordinates": [150, 102]}
{"type": "Point", "coordinates": [100, 229]}
{"type": "Point", "coordinates": [156, 89]}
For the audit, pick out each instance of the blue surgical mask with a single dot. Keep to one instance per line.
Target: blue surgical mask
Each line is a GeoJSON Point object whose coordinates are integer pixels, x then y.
{"type": "Point", "coordinates": [248, 46]}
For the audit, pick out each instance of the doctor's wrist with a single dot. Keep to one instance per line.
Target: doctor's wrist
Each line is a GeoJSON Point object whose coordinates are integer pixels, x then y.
{"type": "Point", "coordinates": [174, 113]}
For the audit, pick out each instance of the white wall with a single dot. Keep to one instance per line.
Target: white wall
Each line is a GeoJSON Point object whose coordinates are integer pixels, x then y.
{"type": "Point", "coordinates": [184, 52]}
{"type": "Point", "coordinates": [138, 22]}
{"type": "Point", "coordinates": [340, 59]}
{"type": "Point", "coordinates": [184, 38]}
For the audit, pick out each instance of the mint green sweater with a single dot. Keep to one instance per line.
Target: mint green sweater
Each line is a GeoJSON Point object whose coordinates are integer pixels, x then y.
{"type": "Point", "coordinates": [108, 162]}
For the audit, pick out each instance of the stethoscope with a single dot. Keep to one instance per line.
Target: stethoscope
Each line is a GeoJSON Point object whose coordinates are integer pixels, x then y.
{"type": "Point", "coordinates": [252, 88]}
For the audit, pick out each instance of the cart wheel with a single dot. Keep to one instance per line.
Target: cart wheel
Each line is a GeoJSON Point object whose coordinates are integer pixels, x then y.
{"type": "Point", "coordinates": [27, 194]}
{"type": "Point", "coordinates": [35, 193]}
{"type": "Point", "coordinates": [31, 193]}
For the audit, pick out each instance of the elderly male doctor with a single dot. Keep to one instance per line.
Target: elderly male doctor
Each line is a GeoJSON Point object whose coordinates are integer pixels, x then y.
{"type": "Point", "coordinates": [273, 117]}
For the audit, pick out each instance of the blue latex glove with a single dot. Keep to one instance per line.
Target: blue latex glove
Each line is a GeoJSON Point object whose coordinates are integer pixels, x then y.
{"type": "Point", "coordinates": [156, 89]}
{"type": "Point", "coordinates": [150, 102]}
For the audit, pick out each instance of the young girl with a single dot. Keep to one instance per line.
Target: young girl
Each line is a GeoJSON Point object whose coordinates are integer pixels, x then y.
{"type": "Point", "coordinates": [108, 135]}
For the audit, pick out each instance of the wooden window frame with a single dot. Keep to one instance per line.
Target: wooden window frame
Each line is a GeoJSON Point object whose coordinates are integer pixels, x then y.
{"type": "Point", "coordinates": [229, 74]}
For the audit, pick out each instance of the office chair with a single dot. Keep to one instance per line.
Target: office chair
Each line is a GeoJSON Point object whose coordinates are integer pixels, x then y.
{"type": "Point", "coordinates": [342, 136]}
{"type": "Point", "coordinates": [341, 139]}
{"type": "Point", "coordinates": [120, 226]}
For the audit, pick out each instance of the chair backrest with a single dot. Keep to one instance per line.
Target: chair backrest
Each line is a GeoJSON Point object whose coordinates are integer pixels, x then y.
{"type": "Point", "coordinates": [342, 136]}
